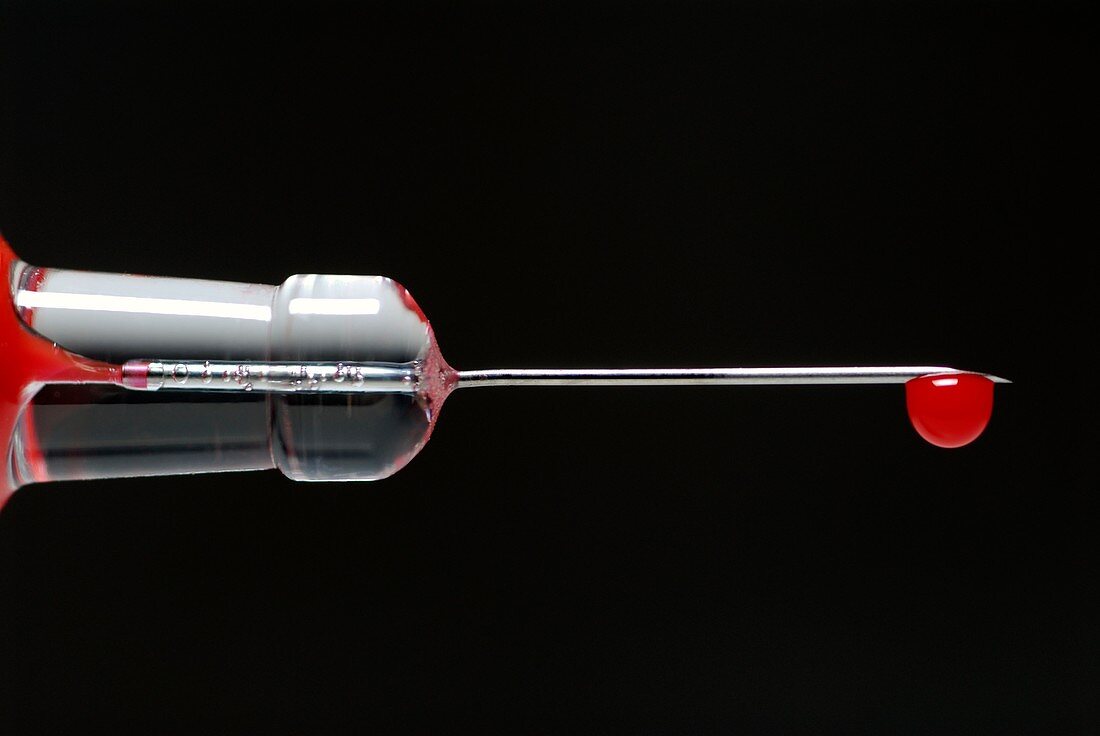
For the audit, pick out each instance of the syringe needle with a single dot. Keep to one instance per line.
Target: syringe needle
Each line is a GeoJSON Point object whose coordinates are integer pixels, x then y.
{"type": "Point", "coordinates": [344, 375]}
{"type": "Point", "coordinates": [407, 377]}
{"type": "Point", "coordinates": [813, 376]}
{"type": "Point", "coordinates": [947, 406]}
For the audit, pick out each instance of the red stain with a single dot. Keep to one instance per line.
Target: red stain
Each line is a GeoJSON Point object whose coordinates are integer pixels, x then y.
{"type": "Point", "coordinates": [950, 409]}
{"type": "Point", "coordinates": [28, 362]}
{"type": "Point", "coordinates": [33, 282]}
{"type": "Point", "coordinates": [32, 450]}
{"type": "Point", "coordinates": [437, 380]}
{"type": "Point", "coordinates": [407, 298]}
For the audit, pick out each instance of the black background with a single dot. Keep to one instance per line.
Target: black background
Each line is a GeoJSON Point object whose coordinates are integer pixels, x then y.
{"type": "Point", "coordinates": [583, 185]}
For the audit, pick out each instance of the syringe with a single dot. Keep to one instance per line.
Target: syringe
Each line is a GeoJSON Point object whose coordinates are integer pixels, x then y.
{"type": "Point", "coordinates": [325, 377]}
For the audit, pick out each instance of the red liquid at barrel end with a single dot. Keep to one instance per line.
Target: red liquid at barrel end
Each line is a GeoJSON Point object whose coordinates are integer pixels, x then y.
{"type": "Point", "coordinates": [11, 390]}
{"type": "Point", "coordinates": [29, 362]}
{"type": "Point", "coordinates": [949, 410]}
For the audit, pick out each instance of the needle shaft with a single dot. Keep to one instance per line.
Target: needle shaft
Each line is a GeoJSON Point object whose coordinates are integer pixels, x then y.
{"type": "Point", "coordinates": [406, 377]}
{"type": "Point", "coordinates": [701, 376]}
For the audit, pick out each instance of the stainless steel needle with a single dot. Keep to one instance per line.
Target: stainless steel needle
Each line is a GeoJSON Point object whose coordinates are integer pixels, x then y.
{"type": "Point", "coordinates": [408, 377]}
{"type": "Point", "coordinates": [815, 376]}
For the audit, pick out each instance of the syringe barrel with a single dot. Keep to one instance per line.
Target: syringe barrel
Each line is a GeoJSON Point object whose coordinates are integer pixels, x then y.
{"type": "Point", "coordinates": [312, 317]}
{"type": "Point", "coordinates": [309, 318]}
{"type": "Point", "coordinates": [108, 316]}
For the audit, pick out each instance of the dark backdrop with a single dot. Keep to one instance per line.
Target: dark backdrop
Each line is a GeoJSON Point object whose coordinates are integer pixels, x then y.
{"type": "Point", "coordinates": [582, 185]}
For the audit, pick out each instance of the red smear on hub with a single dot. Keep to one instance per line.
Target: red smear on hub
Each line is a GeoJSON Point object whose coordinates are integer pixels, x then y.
{"type": "Point", "coordinates": [29, 361]}
{"type": "Point", "coordinates": [407, 298]}
{"type": "Point", "coordinates": [949, 409]}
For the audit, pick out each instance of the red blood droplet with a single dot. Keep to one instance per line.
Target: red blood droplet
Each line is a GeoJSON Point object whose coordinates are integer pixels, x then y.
{"type": "Point", "coordinates": [949, 409]}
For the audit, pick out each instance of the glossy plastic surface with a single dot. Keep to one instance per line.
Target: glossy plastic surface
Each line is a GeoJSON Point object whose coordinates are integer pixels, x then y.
{"type": "Point", "coordinates": [73, 432]}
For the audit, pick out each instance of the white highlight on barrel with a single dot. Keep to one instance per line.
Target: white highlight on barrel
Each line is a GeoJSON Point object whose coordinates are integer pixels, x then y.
{"type": "Point", "coordinates": [141, 305]}
{"type": "Point", "coordinates": [336, 307]}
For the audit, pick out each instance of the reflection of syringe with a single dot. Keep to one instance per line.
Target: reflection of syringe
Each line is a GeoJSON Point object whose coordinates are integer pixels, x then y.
{"type": "Point", "coordinates": [324, 377]}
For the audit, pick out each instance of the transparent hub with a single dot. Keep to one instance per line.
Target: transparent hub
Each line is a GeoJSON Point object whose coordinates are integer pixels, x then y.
{"type": "Point", "coordinates": [323, 377]}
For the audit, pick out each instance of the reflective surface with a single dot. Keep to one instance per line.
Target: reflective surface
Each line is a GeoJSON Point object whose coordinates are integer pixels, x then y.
{"type": "Point", "coordinates": [949, 410]}
{"type": "Point", "coordinates": [68, 431]}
